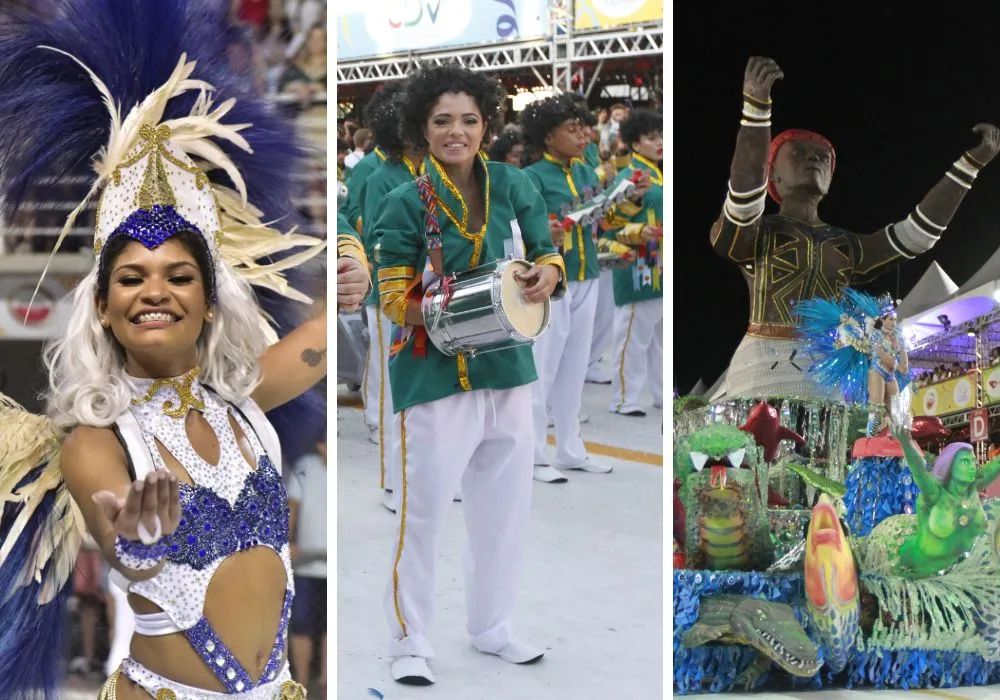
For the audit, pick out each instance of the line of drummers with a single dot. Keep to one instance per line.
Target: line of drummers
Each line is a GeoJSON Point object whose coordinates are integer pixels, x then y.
{"type": "Point", "coordinates": [455, 305]}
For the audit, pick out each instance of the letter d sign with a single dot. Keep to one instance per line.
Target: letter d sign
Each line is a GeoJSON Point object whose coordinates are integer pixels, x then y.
{"type": "Point", "coordinates": [979, 425]}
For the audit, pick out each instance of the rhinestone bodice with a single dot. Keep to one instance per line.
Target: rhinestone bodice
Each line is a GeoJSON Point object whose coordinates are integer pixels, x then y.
{"type": "Point", "coordinates": [229, 508]}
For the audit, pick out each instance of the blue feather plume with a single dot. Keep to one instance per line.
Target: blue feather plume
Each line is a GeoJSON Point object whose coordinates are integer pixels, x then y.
{"type": "Point", "coordinates": [837, 366]}
{"type": "Point", "coordinates": [33, 638]}
{"type": "Point", "coordinates": [53, 119]}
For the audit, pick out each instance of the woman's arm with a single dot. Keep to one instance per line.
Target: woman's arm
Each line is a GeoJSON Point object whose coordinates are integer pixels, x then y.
{"type": "Point", "coordinates": [918, 467]}
{"type": "Point", "coordinates": [294, 364]}
{"type": "Point", "coordinates": [399, 231]}
{"type": "Point", "coordinates": [533, 220]}
{"type": "Point", "coordinates": [95, 471]}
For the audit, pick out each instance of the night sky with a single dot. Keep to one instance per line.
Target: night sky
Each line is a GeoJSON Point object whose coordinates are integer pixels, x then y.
{"type": "Point", "coordinates": [897, 98]}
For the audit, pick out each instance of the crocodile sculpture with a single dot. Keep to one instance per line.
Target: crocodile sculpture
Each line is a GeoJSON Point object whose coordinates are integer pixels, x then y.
{"type": "Point", "coordinates": [770, 628]}
{"type": "Point", "coordinates": [832, 609]}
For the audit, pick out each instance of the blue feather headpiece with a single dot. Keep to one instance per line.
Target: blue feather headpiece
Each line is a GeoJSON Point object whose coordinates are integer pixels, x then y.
{"type": "Point", "coordinates": [145, 93]}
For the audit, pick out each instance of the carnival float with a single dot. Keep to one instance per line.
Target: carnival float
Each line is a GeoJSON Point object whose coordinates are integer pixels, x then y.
{"type": "Point", "coordinates": [826, 535]}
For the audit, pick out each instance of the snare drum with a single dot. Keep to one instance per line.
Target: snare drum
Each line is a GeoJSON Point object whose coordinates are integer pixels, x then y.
{"type": "Point", "coordinates": [486, 311]}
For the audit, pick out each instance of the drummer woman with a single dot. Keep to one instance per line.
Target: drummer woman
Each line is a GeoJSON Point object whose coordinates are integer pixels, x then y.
{"type": "Point", "coordinates": [463, 421]}
{"type": "Point", "coordinates": [553, 127]}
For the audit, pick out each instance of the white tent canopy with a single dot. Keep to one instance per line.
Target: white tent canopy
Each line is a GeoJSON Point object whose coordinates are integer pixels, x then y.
{"type": "Point", "coordinates": [698, 389]}
{"type": "Point", "coordinates": [973, 299]}
{"type": "Point", "coordinates": [933, 287]}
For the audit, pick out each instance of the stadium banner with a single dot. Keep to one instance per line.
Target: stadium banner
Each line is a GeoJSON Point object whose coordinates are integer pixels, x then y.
{"type": "Point", "coordinates": [607, 14]}
{"type": "Point", "coordinates": [374, 28]}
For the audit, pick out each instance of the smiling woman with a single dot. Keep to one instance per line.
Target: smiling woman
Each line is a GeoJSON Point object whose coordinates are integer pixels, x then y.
{"type": "Point", "coordinates": [464, 417]}
{"type": "Point", "coordinates": [156, 440]}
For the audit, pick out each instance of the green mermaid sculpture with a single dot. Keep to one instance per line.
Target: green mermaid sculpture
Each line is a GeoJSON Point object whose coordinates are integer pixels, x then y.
{"type": "Point", "coordinates": [949, 515]}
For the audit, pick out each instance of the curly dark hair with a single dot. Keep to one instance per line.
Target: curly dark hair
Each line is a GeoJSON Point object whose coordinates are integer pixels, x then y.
{"type": "Point", "coordinates": [381, 115]}
{"type": "Point", "coordinates": [511, 136]}
{"type": "Point", "coordinates": [540, 118]}
{"type": "Point", "coordinates": [642, 122]}
{"type": "Point", "coordinates": [586, 116]}
{"type": "Point", "coordinates": [427, 85]}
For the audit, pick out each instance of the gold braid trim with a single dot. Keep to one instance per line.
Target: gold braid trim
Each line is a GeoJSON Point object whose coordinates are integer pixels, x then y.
{"type": "Point", "coordinates": [630, 234]}
{"type": "Point", "coordinates": [605, 245]}
{"type": "Point", "coordinates": [350, 247]}
{"type": "Point", "coordinates": [393, 303]}
{"type": "Point", "coordinates": [402, 271]}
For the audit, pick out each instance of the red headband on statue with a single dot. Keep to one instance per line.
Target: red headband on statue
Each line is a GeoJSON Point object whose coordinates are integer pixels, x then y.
{"type": "Point", "coordinates": [794, 135]}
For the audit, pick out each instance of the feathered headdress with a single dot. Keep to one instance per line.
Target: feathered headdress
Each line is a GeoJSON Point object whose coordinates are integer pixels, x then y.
{"type": "Point", "coordinates": [143, 92]}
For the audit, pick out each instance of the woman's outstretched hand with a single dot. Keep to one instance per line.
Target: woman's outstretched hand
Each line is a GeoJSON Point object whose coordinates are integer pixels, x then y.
{"type": "Point", "coordinates": [156, 496]}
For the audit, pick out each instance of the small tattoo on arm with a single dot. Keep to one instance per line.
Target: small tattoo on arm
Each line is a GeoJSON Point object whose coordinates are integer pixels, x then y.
{"type": "Point", "coordinates": [313, 357]}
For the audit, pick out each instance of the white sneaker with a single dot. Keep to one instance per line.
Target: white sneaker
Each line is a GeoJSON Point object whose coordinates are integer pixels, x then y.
{"type": "Point", "coordinates": [412, 670]}
{"type": "Point", "coordinates": [458, 497]}
{"type": "Point", "coordinates": [630, 411]}
{"type": "Point", "coordinates": [596, 374]}
{"type": "Point", "coordinates": [590, 465]}
{"type": "Point", "coordinates": [548, 474]}
{"type": "Point", "coordinates": [373, 434]}
{"type": "Point", "coordinates": [517, 652]}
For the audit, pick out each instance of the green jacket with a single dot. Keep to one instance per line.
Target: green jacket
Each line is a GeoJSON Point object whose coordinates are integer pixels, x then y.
{"type": "Point", "coordinates": [643, 279]}
{"type": "Point", "coordinates": [389, 175]}
{"type": "Point", "coordinates": [559, 185]}
{"type": "Point", "coordinates": [509, 196]}
{"type": "Point", "coordinates": [355, 186]}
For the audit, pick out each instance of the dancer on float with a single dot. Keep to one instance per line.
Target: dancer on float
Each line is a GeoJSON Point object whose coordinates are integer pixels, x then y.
{"type": "Point", "coordinates": [795, 255]}
{"type": "Point", "coordinates": [372, 386]}
{"type": "Point", "coordinates": [638, 288]}
{"type": "Point", "coordinates": [462, 419]}
{"type": "Point", "coordinates": [552, 127]}
{"type": "Point", "coordinates": [401, 165]}
{"type": "Point", "coordinates": [155, 440]}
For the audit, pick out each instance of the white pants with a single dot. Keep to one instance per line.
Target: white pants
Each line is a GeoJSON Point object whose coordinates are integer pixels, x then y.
{"type": "Point", "coordinates": [638, 354]}
{"type": "Point", "coordinates": [562, 354]}
{"type": "Point", "coordinates": [603, 318]}
{"type": "Point", "coordinates": [482, 440]}
{"type": "Point", "coordinates": [378, 395]}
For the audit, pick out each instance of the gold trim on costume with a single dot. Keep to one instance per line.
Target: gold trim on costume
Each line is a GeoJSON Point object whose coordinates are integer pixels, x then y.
{"type": "Point", "coordinates": [463, 372]}
{"type": "Point", "coordinates": [463, 226]}
{"type": "Point", "coordinates": [381, 399]}
{"type": "Point", "coordinates": [621, 361]}
{"type": "Point", "coordinates": [631, 234]}
{"type": "Point", "coordinates": [402, 525]}
{"type": "Point", "coordinates": [183, 386]}
{"type": "Point", "coordinates": [109, 691]}
{"type": "Point", "coordinates": [290, 690]}
{"type": "Point", "coordinates": [656, 175]}
{"type": "Point", "coordinates": [387, 273]}
{"type": "Point", "coordinates": [553, 259]}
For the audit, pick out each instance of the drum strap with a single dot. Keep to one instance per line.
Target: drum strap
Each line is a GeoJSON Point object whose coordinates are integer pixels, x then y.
{"type": "Point", "coordinates": [432, 229]}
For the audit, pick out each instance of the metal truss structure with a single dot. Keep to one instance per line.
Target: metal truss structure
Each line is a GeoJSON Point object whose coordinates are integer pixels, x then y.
{"type": "Point", "coordinates": [561, 52]}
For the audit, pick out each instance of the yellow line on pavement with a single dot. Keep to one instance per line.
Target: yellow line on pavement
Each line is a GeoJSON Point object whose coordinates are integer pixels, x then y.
{"type": "Point", "coordinates": [603, 450]}
{"type": "Point", "coordinates": [596, 448]}
{"type": "Point", "coordinates": [942, 694]}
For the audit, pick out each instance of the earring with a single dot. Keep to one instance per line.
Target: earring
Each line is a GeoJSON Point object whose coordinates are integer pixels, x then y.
{"type": "Point", "coordinates": [104, 323]}
{"type": "Point", "coordinates": [210, 316]}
